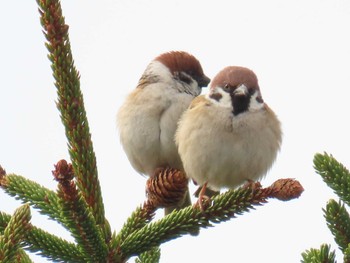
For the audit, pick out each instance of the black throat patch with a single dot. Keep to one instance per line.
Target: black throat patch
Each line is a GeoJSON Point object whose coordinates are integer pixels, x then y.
{"type": "Point", "coordinates": [240, 103]}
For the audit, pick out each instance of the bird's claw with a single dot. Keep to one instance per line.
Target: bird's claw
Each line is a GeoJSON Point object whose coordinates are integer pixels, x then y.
{"type": "Point", "coordinates": [203, 202]}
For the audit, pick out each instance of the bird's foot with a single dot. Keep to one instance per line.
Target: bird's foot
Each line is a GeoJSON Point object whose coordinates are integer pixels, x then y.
{"type": "Point", "coordinates": [250, 184]}
{"type": "Point", "coordinates": [203, 200]}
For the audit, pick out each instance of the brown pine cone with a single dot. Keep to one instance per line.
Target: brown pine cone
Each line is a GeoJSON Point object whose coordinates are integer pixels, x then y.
{"type": "Point", "coordinates": [166, 187]}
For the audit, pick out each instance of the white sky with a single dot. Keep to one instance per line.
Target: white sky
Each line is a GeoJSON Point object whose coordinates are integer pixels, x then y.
{"type": "Point", "coordinates": [300, 51]}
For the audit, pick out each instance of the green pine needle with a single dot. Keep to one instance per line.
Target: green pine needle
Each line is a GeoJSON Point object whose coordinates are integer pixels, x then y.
{"type": "Point", "coordinates": [22, 257]}
{"type": "Point", "coordinates": [335, 175]}
{"type": "Point", "coordinates": [151, 256]}
{"type": "Point", "coordinates": [14, 233]}
{"type": "Point", "coordinates": [53, 247]}
{"type": "Point", "coordinates": [4, 220]}
{"type": "Point", "coordinates": [138, 219]}
{"type": "Point", "coordinates": [71, 106]}
{"type": "Point", "coordinates": [346, 253]}
{"type": "Point", "coordinates": [322, 255]}
{"type": "Point", "coordinates": [185, 221]}
{"type": "Point", "coordinates": [338, 222]}
{"type": "Point", "coordinates": [33, 193]}
{"type": "Point", "coordinates": [50, 246]}
{"type": "Point", "coordinates": [170, 227]}
{"type": "Point", "coordinates": [232, 203]}
{"type": "Point", "coordinates": [81, 223]}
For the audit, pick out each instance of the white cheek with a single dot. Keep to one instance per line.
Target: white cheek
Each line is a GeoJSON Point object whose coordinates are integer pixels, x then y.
{"type": "Point", "coordinates": [195, 87]}
{"type": "Point", "coordinates": [157, 68]}
{"type": "Point", "coordinates": [225, 100]}
{"type": "Point", "coordinates": [254, 105]}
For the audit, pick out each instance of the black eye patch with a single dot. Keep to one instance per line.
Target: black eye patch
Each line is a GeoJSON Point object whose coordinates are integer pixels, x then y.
{"type": "Point", "coordinates": [216, 96]}
{"type": "Point", "coordinates": [259, 99]}
{"type": "Point", "coordinates": [183, 77]}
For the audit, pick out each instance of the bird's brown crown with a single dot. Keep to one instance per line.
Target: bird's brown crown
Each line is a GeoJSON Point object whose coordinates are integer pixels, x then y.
{"type": "Point", "coordinates": [234, 76]}
{"type": "Point", "coordinates": [180, 61]}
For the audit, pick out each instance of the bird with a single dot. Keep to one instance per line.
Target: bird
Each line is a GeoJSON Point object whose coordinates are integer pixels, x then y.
{"type": "Point", "coordinates": [228, 136]}
{"type": "Point", "coordinates": [147, 120]}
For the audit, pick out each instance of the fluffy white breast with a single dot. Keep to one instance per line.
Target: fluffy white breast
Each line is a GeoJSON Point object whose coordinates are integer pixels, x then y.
{"type": "Point", "coordinates": [147, 122]}
{"type": "Point", "coordinates": [226, 150]}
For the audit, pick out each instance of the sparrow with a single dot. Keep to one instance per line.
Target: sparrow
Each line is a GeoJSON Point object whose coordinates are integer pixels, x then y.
{"type": "Point", "coordinates": [147, 120]}
{"type": "Point", "coordinates": [230, 135]}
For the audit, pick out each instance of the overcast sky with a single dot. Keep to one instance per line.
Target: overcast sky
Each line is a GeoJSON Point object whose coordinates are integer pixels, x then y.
{"type": "Point", "coordinates": [300, 51]}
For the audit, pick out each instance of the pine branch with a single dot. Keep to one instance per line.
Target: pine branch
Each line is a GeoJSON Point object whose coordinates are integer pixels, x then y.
{"type": "Point", "coordinates": [4, 220]}
{"type": "Point", "coordinates": [337, 177]}
{"type": "Point", "coordinates": [322, 255]}
{"type": "Point", "coordinates": [48, 245]}
{"type": "Point", "coordinates": [41, 198]}
{"type": "Point", "coordinates": [334, 174]}
{"type": "Point", "coordinates": [151, 256]}
{"type": "Point", "coordinates": [14, 234]}
{"type": "Point", "coordinates": [346, 254]}
{"type": "Point", "coordinates": [78, 215]}
{"type": "Point", "coordinates": [338, 221]}
{"type": "Point", "coordinates": [49, 204]}
{"type": "Point", "coordinates": [53, 247]}
{"type": "Point", "coordinates": [71, 106]}
{"type": "Point", "coordinates": [223, 207]}
{"type": "Point", "coordinates": [22, 257]}
{"type": "Point", "coordinates": [138, 219]}
{"type": "Point", "coordinates": [172, 226]}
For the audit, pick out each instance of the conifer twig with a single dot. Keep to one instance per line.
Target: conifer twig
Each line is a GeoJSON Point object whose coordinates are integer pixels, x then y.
{"type": "Point", "coordinates": [150, 256]}
{"type": "Point", "coordinates": [138, 219]}
{"type": "Point", "coordinates": [49, 204]}
{"type": "Point", "coordinates": [346, 253]}
{"type": "Point", "coordinates": [23, 257]}
{"type": "Point", "coordinates": [78, 215]}
{"type": "Point", "coordinates": [322, 255]}
{"type": "Point", "coordinates": [53, 247]}
{"type": "Point", "coordinates": [71, 106]}
{"type": "Point", "coordinates": [172, 226]}
{"type": "Point", "coordinates": [48, 245]}
{"type": "Point", "coordinates": [14, 233]}
{"type": "Point", "coordinates": [338, 221]}
{"type": "Point", "coordinates": [4, 220]}
{"type": "Point", "coordinates": [337, 177]}
{"type": "Point", "coordinates": [334, 174]}
{"type": "Point", "coordinates": [36, 195]}
{"type": "Point", "coordinates": [222, 208]}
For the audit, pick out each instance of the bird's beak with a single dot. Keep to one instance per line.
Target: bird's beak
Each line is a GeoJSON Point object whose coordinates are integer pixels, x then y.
{"type": "Point", "coordinates": [204, 81]}
{"type": "Point", "coordinates": [241, 90]}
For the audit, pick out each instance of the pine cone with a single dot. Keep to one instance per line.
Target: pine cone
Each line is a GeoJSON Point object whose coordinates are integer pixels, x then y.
{"type": "Point", "coordinates": [166, 187]}
{"type": "Point", "coordinates": [286, 189]}
{"type": "Point", "coordinates": [63, 171]}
